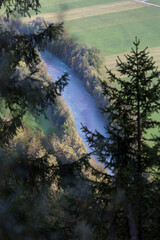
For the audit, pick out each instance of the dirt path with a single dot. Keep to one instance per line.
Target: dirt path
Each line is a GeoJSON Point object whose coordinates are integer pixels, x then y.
{"type": "Point", "coordinates": [84, 12]}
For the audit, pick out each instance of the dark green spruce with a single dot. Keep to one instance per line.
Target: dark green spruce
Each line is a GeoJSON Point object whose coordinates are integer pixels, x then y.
{"type": "Point", "coordinates": [20, 94]}
{"type": "Point", "coordinates": [133, 98]}
{"type": "Point", "coordinates": [25, 181]}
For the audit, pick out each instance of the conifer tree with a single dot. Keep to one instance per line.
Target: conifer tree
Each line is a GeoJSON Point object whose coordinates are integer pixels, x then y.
{"type": "Point", "coordinates": [22, 7]}
{"type": "Point", "coordinates": [25, 195]}
{"type": "Point", "coordinates": [16, 46]}
{"type": "Point", "coordinates": [133, 98]}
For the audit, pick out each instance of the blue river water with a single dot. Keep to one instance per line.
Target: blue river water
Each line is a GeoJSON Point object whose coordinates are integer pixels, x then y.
{"type": "Point", "coordinates": [81, 103]}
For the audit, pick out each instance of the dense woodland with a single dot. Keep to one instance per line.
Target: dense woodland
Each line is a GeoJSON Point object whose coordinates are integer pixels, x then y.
{"type": "Point", "coordinates": [49, 187]}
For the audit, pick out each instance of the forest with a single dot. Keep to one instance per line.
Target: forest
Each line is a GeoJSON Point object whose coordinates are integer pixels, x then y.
{"type": "Point", "coordinates": [51, 186]}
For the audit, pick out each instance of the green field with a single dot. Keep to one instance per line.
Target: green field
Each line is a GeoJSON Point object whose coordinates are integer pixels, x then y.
{"type": "Point", "coordinates": [113, 33]}
{"type": "Point", "coordinates": [109, 25]}
{"type": "Point", "coordinates": [157, 2]}
{"type": "Point", "coordinates": [49, 6]}
{"type": "Point", "coordinates": [41, 123]}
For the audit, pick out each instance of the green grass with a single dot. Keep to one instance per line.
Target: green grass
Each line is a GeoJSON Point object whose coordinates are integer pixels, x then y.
{"type": "Point", "coordinates": [61, 5]}
{"type": "Point", "coordinates": [54, 6]}
{"type": "Point", "coordinates": [114, 33]}
{"type": "Point", "coordinates": [41, 123]}
{"type": "Point", "coordinates": [157, 2]}
{"type": "Point", "coordinates": [110, 19]}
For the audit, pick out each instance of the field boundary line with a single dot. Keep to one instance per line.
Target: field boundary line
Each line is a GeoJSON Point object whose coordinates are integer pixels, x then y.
{"type": "Point", "coordinates": [148, 3]}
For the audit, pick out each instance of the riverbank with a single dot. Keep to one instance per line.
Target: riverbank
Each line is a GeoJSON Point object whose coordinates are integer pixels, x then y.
{"type": "Point", "coordinates": [81, 103]}
{"type": "Point", "coordinates": [86, 61]}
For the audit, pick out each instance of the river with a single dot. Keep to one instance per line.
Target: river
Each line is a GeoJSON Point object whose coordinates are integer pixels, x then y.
{"type": "Point", "coordinates": [81, 103]}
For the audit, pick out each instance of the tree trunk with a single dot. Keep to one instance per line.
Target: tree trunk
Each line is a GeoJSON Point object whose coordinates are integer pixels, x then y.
{"type": "Point", "coordinates": [131, 221]}
{"type": "Point", "coordinates": [139, 140]}
{"type": "Point", "coordinates": [111, 224]}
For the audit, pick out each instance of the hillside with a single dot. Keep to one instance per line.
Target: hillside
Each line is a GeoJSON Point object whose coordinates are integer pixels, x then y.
{"type": "Point", "coordinates": [50, 188]}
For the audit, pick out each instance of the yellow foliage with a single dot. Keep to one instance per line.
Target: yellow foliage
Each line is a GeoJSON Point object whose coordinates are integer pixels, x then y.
{"type": "Point", "coordinates": [22, 64]}
{"type": "Point", "coordinates": [73, 59]}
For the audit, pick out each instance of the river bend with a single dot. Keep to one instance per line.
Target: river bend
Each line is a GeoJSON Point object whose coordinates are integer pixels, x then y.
{"type": "Point", "coordinates": [81, 103]}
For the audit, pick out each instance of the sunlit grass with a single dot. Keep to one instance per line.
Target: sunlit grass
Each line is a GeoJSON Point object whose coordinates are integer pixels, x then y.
{"type": "Point", "coordinates": [114, 33]}
{"type": "Point", "coordinates": [54, 5]}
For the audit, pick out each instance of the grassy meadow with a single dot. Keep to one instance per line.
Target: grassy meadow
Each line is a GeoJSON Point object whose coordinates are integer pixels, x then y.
{"type": "Point", "coordinates": [157, 2]}
{"type": "Point", "coordinates": [42, 124]}
{"type": "Point", "coordinates": [109, 25]}
{"type": "Point", "coordinates": [49, 6]}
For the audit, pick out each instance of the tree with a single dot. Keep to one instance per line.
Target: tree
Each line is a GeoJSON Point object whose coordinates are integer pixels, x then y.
{"type": "Point", "coordinates": [132, 101]}
{"type": "Point", "coordinates": [25, 184]}
{"type": "Point", "coordinates": [19, 94]}
{"type": "Point", "coordinates": [94, 57]}
{"type": "Point", "coordinates": [21, 7]}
